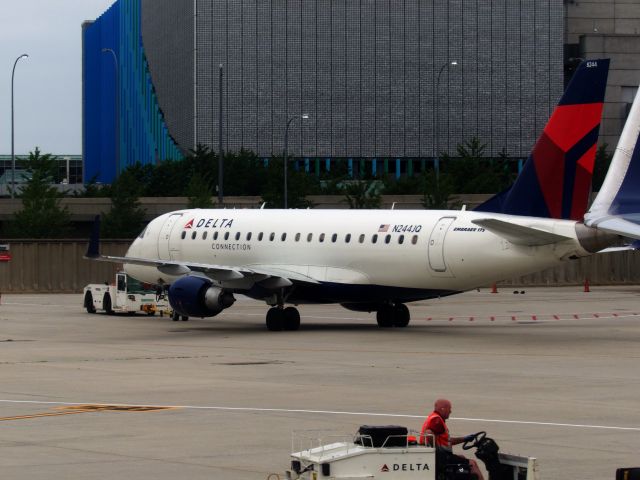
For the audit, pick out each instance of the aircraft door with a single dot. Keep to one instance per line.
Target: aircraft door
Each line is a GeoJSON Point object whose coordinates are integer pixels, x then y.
{"type": "Point", "coordinates": [436, 244]}
{"type": "Point", "coordinates": [164, 238]}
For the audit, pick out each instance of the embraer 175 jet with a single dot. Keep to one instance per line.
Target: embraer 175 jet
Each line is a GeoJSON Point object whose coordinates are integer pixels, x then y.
{"type": "Point", "coordinates": [380, 260]}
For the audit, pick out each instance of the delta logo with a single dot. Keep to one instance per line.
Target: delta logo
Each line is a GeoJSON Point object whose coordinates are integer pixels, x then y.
{"type": "Point", "coordinates": [189, 224]}
{"type": "Point", "coordinates": [405, 467]}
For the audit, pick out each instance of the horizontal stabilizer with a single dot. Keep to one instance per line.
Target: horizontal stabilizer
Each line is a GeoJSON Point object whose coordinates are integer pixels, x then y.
{"type": "Point", "coordinates": [618, 226]}
{"type": "Point", "coordinates": [519, 234]}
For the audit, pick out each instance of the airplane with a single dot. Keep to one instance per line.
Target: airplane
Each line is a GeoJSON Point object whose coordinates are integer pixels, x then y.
{"type": "Point", "coordinates": [380, 260]}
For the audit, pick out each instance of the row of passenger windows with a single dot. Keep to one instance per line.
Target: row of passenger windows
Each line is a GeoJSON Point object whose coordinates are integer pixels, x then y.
{"type": "Point", "coordinates": [298, 236]}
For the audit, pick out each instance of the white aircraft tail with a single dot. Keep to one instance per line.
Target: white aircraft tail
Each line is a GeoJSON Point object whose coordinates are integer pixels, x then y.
{"type": "Point", "coordinates": [616, 209]}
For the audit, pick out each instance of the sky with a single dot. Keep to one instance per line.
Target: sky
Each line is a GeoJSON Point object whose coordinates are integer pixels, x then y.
{"type": "Point", "coordinates": [48, 84]}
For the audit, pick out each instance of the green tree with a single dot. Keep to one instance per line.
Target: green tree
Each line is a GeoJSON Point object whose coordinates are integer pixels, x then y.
{"type": "Point", "coordinates": [437, 190]}
{"type": "Point", "coordinates": [41, 215]}
{"type": "Point", "coordinates": [199, 192]}
{"type": "Point", "coordinates": [299, 185]}
{"type": "Point", "coordinates": [126, 217]}
{"type": "Point", "coordinates": [362, 194]}
{"type": "Point", "coordinates": [601, 166]}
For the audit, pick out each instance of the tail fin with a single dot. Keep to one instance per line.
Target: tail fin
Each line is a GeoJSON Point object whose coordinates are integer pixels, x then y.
{"type": "Point", "coordinates": [556, 179]}
{"type": "Point", "coordinates": [616, 209]}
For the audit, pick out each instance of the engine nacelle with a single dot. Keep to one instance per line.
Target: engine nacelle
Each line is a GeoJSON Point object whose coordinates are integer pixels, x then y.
{"type": "Point", "coordinates": [197, 297]}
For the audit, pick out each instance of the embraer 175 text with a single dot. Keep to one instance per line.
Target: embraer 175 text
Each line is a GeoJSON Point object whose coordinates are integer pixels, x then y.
{"type": "Point", "coordinates": [380, 260]}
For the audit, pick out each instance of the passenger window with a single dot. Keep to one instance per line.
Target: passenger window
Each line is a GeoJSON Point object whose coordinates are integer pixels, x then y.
{"type": "Point", "coordinates": [283, 237]}
{"type": "Point", "coordinates": [272, 236]}
{"type": "Point", "coordinates": [387, 239]}
{"type": "Point", "coordinates": [248, 236]}
{"type": "Point", "coordinates": [334, 237]}
{"type": "Point", "coordinates": [401, 239]}
{"type": "Point", "coordinates": [309, 237]}
{"type": "Point", "coordinates": [184, 234]}
{"type": "Point", "coordinates": [260, 235]}
{"type": "Point", "coordinates": [374, 239]}
{"type": "Point", "coordinates": [204, 235]}
{"type": "Point", "coordinates": [361, 239]}
{"type": "Point", "coordinates": [215, 235]}
{"type": "Point", "coordinates": [347, 238]}
{"type": "Point", "coordinates": [414, 239]}
{"type": "Point", "coordinates": [238, 236]}
{"type": "Point", "coordinates": [297, 237]}
{"type": "Point", "coordinates": [226, 235]}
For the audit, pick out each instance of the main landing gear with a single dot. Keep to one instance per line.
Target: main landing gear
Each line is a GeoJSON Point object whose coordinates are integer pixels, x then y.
{"type": "Point", "coordinates": [279, 318]}
{"type": "Point", "coordinates": [396, 315]}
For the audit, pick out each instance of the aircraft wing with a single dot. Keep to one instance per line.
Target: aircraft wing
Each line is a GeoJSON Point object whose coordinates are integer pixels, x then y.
{"type": "Point", "coordinates": [243, 276]}
{"type": "Point", "coordinates": [519, 234]}
{"type": "Point", "coordinates": [230, 276]}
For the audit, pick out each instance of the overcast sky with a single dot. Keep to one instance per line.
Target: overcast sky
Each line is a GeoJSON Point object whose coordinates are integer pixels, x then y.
{"type": "Point", "coordinates": [47, 85]}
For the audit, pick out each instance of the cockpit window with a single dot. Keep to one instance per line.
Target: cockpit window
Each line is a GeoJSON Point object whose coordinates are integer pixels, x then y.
{"type": "Point", "coordinates": [143, 232]}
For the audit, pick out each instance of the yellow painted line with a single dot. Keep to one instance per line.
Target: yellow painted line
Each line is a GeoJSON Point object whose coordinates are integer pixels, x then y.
{"type": "Point", "coordinates": [72, 410]}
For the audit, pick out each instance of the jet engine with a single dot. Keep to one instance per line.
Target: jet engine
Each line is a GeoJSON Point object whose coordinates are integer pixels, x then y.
{"type": "Point", "coordinates": [197, 297]}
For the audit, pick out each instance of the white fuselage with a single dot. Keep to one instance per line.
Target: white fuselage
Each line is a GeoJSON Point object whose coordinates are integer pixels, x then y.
{"type": "Point", "coordinates": [437, 251]}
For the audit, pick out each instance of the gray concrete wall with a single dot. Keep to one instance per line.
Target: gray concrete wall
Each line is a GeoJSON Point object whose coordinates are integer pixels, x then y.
{"type": "Point", "coordinates": [58, 266]}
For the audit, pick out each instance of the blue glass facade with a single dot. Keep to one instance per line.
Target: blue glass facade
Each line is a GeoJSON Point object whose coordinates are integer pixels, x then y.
{"type": "Point", "coordinates": [121, 115]}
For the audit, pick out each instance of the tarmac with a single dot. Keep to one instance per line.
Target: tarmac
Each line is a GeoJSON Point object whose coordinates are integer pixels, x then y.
{"type": "Point", "coordinates": [551, 373]}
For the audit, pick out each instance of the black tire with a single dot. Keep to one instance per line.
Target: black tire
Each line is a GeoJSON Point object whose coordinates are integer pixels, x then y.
{"type": "Point", "coordinates": [175, 316]}
{"type": "Point", "coordinates": [88, 303]}
{"type": "Point", "coordinates": [185, 318]}
{"type": "Point", "coordinates": [275, 319]}
{"type": "Point", "coordinates": [385, 317]}
{"type": "Point", "coordinates": [106, 304]}
{"type": "Point", "coordinates": [291, 319]}
{"type": "Point", "coordinates": [401, 315]}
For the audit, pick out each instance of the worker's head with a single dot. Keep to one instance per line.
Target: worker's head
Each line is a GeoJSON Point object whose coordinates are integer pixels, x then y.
{"type": "Point", "coordinates": [443, 407]}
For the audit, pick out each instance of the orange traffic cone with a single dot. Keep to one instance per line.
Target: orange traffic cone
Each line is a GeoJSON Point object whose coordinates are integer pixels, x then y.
{"type": "Point", "coordinates": [586, 285]}
{"type": "Point", "coordinates": [494, 288]}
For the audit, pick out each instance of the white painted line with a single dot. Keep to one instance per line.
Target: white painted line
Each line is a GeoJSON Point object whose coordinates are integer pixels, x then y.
{"type": "Point", "coordinates": [327, 412]}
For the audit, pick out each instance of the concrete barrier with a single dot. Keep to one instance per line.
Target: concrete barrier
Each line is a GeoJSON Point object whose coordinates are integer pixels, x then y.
{"type": "Point", "coordinates": [57, 266]}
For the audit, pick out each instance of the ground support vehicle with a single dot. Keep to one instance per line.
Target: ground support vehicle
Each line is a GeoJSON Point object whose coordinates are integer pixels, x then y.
{"type": "Point", "coordinates": [391, 453]}
{"type": "Point", "coordinates": [126, 296]}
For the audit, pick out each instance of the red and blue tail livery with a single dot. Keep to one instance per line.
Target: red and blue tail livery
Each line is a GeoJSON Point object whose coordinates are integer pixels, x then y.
{"type": "Point", "coordinates": [556, 179]}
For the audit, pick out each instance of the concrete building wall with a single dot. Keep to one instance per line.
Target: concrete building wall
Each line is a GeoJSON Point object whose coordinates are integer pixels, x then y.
{"type": "Point", "coordinates": [168, 37]}
{"type": "Point", "coordinates": [609, 29]}
{"type": "Point", "coordinates": [366, 72]}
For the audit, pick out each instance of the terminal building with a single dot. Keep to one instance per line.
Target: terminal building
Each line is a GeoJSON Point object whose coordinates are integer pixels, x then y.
{"type": "Point", "coordinates": [386, 85]}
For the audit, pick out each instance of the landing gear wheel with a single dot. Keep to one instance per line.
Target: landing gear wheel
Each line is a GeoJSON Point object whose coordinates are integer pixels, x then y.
{"type": "Point", "coordinates": [401, 315]}
{"type": "Point", "coordinates": [175, 316]}
{"type": "Point", "coordinates": [275, 319]}
{"type": "Point", "coordinates": [106, 304]}
{"type": "Point", "coordinates": [291, 319]}
{"type": "Point", "coordinates": [88, 303]}
{"type": "Point", "coordinates": [185, 318]}
{"type": "Point", "coordinates": [385, 317]}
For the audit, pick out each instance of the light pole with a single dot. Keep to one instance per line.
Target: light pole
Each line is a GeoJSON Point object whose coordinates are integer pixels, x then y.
{"type": "Point", "coordinates": [117, 75]}
{"type": "Point", "coordinates": [437, 102]}
{"type": "Point", "coordinates": [13, 155]}
{"type": "Point", "coordinates": [304, 116]}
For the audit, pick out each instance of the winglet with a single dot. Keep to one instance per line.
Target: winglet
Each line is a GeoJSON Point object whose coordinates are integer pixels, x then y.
{"type": "Point", "coordinates": [93, 250]}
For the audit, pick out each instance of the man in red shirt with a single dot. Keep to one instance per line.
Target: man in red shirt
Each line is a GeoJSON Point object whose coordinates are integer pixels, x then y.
{"type": "Point", "coordinates": [436, 425]}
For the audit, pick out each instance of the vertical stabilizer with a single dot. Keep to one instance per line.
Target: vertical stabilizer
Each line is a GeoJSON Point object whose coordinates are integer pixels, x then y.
{"type": "Point", "coordinates": [556, 179]}
{"type": "Point", "coordinates": [616, 209]}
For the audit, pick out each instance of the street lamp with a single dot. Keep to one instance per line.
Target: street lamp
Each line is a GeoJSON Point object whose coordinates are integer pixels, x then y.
{"type": "Point", "coordinates": [437, 102]}
{"type": "Point", "coordinates": [117, 75]}
{"type": "Point", "coordinates": [304, 116]}
{"type": "Point", "coordinates": [13, 156]}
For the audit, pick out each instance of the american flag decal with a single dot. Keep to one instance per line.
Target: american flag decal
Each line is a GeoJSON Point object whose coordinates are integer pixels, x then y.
{"type": "Point", "coordinates": [383, 228]}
